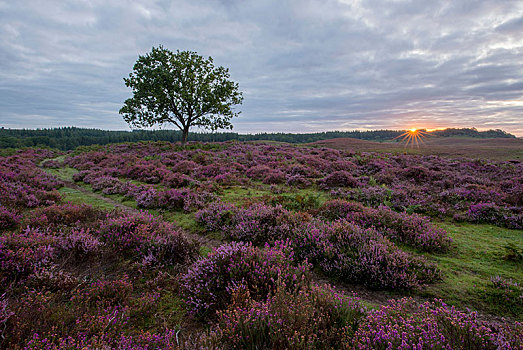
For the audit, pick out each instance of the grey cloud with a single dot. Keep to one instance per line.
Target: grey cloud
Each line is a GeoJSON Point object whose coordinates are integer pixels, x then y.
{"type": "Point", "coordinates": [304, 65]}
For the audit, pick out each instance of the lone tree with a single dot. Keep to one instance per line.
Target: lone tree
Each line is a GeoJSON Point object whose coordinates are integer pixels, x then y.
{"type": "Point", "coordinates": [181, 88]}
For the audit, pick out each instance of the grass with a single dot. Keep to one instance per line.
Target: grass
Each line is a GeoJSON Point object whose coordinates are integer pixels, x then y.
{"type": "Point", "coordinates": [78, 197]}
{"type": "Point", "coordinates": [478, 255]}
{"type": "Point", "coordinates": [65, 174]}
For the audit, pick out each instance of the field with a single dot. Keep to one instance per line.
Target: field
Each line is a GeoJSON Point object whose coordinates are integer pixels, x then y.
{"type": "Point", "coordinates": [339, 244]}
{"type": "Point", "coordinates": [497, 148]}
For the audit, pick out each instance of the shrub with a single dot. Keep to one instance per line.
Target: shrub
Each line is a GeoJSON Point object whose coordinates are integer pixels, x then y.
{"type": "Point", "coordinates": [67, 214]}
{"type": "Point", "coordinates": [403, 324]}
{"type": "Point", "coordinates": [138, 236]}
{"type": "Point", "coordinates": [24, 252]}
{"type": "Point", "coordinates": [258, 223]}
{"type": "Point", "coordinates": [211, 281]}
{"type": "Point", "coordinates": [345, 250]}
{"type": "Point", "coordinates": [485, 212]}
{"type": "Point", "coordinates": [8, 218]}
{"type": "Point", "coordinates": [310, 318]}
{"type": "Point", "coordinates": [79, 243]}
{"type": "Point", "coordinates": [340, 178]}
{"type": "Point", "coordinates": [412, 229]}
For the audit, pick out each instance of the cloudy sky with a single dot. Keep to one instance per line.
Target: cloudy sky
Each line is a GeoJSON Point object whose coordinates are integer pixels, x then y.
{"type": "Point", "coordinates": [304, 66]}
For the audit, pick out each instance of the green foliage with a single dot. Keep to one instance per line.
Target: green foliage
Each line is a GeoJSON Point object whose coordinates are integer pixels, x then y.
{"type": "Point", "coordinates": [181, 88]}
{"type": "Point", "coordinates": [69, 138]}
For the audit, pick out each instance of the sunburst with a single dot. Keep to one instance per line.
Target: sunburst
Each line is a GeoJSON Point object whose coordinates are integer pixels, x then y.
{"type": "Point", "coordinates": [412, 136]}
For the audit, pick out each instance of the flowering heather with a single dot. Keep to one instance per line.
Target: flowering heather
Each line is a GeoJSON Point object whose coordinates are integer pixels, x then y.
{"type": "Point", "coordinates": [342, 248]}
{"type": "Point", "coordinates": [8, 218]}
{"type": "Point", "coordinates": [80, 243]}
{"type": "Point", "coordinates": [142, 235]}
{"type": "Point", "coordinates": [143, 341]}
{"type": "Point", "coordinates": [352, 253]}
{"type": "Point", "coordinates": [340, 178]}
{"type": "Point", "coordinates": [66, 214]}
{"type": "Point", "coordinates": [21, 253]}
{"type": "Point", "coordinates": [5, 313]}
{"type": "Point", "coordinates": [424, 184]}
{"type": "Point", "coordinates": [315, 317]}
{"type": "Point", "coordinates": [258, 223]}
{"type": "Point", "coordinates": [23, 184]}
{"type": "Point", "coordinates": [412, 229]}
{"type": "Point", "coordinates": [211, 281]}
{"type": "Point", "coordinates": [403, 324]}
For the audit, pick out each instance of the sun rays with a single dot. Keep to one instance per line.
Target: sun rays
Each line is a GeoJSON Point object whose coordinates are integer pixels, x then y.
{"type": "Point", "coordinates": [413, 137]}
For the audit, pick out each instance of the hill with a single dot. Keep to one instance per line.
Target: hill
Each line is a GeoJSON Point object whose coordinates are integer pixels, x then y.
{"type": "Point", "coordinates": [495, 148]}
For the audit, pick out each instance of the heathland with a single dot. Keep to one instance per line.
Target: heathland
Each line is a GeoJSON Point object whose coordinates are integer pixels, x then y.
{"type": "Point", "coordinates": [337, 244]}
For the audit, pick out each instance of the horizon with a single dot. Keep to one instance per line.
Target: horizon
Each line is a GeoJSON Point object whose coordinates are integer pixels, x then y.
{"type": "Point", "coordinates": [304, 67]}
{"type": "Point", "coordinates": [196, 130]}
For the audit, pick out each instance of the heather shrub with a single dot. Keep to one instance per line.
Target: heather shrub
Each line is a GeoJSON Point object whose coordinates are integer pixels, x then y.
{"type": "Point", "coordinates": [185, 167]}
{"type": "Point", "coordinates": [298, 180]}
{"type": "Point", "coordinates": [142, 341]}
{"type": "Point", "coordinates": [412, 229]}
{"type": "Point", "coordinates": [257, 223]}
{"type": "Point", "coordinates": [176, 180]}
{"type": "Point", "coordinates": [315, 317]}
{"type": "Point", "coordinates": [373, 196]}
{"type": "Point", "coordinates": [147, 198]}
{"type": "Point", "coordinates": [210, 282]}
{"type": "Point", "coordinates": [5, 314]}
{"type": "Point", "coordinates": [340, 178]}
{"type": "Point", "coordinates": [8, 218]}
{"type": "Point", "coordinates": [21, 253]}
{"type": "Point", "coordinates": [344, 250]}
{"type": "Point", "coordinates": [108, 184]}
{"type": "Point", "coordinates": [79, 243]}
{"type": "Point", "coordinates": [51, 278]}
{"type": "Point", "coordinates": [485, 212]}
{"type": "Point", "coordinates": [186, 199]}
{"type": "Point", "coordinates": [138, 236]}
{"type": "Point", "coordinates": [258, 172]}
{"type": "Point", "coordinates": [403, 324]}
{"type": "Point", "coordinates": [216, 216]}
{"type": "Point", "coordinates": [274, 177]}
{"type": "Point", "coordinates": [67, 214]}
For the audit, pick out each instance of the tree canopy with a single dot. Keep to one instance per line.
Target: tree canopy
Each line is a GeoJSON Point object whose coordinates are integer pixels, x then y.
{"type": "Point", "coordinates": [181, 88]}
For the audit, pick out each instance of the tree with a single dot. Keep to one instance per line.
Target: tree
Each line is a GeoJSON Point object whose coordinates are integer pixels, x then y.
{"type": "Point", "coordinates": [181, 88]}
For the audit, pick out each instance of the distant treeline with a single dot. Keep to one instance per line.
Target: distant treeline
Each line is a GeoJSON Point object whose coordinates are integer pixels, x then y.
{"type": "Point", "coordinates": [69, 138]}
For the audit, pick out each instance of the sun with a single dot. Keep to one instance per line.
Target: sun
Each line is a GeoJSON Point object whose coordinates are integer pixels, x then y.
{"type": "Point", "coordinates": [412, 136]}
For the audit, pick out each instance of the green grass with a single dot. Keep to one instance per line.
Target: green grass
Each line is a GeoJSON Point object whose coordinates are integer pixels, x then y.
{"type": "Point", "coordinates": [77, 197]}
{"type": "Point", "coordinates": [65, 174]}
{"type": "Point", "coordinates": [478, 255]}
{"type": "Point", "coordinates": [238, 194]}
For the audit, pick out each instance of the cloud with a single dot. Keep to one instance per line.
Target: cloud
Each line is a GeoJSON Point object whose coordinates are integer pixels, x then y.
{"type": "Point", "coordinates": [306, 65]}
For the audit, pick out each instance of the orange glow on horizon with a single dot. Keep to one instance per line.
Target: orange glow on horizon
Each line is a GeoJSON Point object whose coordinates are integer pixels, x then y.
{"type": "Point", "coordinates": [412, 136]}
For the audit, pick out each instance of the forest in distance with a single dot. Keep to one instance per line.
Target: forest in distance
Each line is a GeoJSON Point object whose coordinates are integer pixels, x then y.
{"type": "Point", "coordinates": [68, 138]}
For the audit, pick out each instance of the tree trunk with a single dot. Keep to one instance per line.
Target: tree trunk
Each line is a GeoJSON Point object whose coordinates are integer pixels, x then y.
{"type": "Point", "coordinates": [185, 134]}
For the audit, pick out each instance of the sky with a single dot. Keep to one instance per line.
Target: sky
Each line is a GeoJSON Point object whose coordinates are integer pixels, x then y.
{"type": "Point", "coordinates": [303, 66]}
